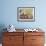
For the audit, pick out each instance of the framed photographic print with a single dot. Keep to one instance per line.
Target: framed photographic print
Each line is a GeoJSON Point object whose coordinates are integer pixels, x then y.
{"type": "Point", "coordinates": [26, 14]}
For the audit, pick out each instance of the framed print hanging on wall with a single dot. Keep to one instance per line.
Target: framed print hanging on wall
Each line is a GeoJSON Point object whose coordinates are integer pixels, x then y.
{"type": "Point", "coordinates": [26, 14]}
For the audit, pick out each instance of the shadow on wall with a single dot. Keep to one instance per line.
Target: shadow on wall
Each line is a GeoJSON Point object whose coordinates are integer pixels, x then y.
{"type": "Point", "coordinates": [2, 26]}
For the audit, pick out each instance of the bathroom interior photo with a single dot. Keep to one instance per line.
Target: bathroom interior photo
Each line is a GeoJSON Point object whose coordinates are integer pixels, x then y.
{"type": "Point", "coordinates": [22, 23]}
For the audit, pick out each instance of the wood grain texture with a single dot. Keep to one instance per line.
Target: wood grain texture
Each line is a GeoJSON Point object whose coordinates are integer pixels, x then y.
{"type": "Point", "coordinates": [23, 39]}
{"type": "Point", "coordinates": [34, 39]}
{"type": "Point", "coordinates": [13, 39]}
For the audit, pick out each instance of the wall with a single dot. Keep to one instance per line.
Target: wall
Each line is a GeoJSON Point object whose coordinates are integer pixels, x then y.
{"type": "Point", "coordinates": [9, 13]}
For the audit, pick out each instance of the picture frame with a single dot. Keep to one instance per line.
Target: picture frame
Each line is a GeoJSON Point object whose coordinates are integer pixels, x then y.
{"type": "Point", "coordinates": [26, 14]}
